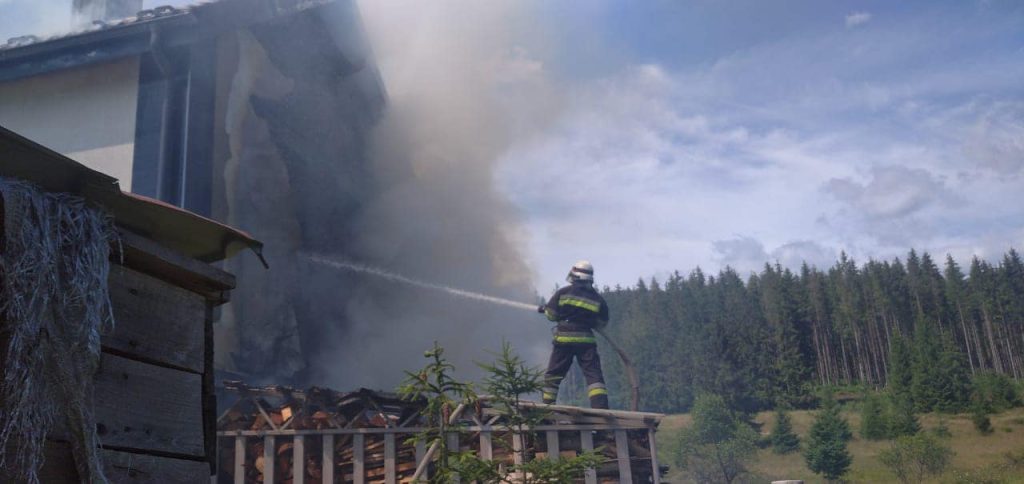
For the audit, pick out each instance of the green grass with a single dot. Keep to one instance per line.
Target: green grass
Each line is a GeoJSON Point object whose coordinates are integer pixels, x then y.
{"type": "Point", "coordinates": [985, 458]}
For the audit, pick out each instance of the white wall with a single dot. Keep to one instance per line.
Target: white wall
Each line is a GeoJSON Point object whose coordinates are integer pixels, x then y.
{"type": "Point", "coordinates": [87, 114]}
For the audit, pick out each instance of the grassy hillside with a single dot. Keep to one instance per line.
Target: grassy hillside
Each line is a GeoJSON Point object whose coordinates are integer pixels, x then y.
{"type": "Point", "coordinates": [978, 459]}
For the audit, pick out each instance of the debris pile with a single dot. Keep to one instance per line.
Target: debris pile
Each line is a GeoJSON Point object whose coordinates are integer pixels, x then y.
{"type": "Point", "coordinates": [379, 419]}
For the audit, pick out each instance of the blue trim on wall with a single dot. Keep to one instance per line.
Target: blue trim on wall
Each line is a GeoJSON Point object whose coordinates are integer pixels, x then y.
{"type": "Point", "coordinates": [197, 168]}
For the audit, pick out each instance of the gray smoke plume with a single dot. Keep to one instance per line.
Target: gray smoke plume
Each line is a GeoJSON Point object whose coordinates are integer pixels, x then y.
{"type": "Point", "coordinates": [322, 163]}
{"type": "Point", "coordinates": [461, 90]}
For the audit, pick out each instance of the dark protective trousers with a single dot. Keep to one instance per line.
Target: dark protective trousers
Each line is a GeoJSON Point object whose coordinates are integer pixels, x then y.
{"type": "Point", "coordinates": [589, 361]}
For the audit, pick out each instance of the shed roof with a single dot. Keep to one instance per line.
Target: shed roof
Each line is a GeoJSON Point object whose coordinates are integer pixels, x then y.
{"type": "Point", "coordinates": [173, 227]}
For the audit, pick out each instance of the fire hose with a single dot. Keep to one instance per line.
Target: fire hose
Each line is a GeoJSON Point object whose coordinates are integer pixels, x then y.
{"type": "Point", "coordinates": [634, 382]}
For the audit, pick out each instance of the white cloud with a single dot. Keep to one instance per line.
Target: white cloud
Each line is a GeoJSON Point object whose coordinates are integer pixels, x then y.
{"type": "Point", "coordinates": [652, 170]}
{"type": "Point", "coordinates": [743, 253]}
{"type": "Point", "coordinates": [857, 18]}
{"type": "Point", "coordinates": [794, 254]}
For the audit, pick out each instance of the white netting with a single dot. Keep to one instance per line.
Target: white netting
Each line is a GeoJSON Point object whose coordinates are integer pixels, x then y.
{"type": "Point", "coordinates": [54, 305]}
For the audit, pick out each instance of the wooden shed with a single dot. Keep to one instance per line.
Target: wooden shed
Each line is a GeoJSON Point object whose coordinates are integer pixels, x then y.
{"type": "Point", "coordinates": [154, 406]}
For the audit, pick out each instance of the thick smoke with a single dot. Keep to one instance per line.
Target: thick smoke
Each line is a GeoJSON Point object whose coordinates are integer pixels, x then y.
{"type": "Point", "coordinates": [461, 90]}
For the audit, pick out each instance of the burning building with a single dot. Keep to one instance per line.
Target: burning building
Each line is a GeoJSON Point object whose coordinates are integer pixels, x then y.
{"type": "Point", "coordinates": [261, 114]}
{"type": "Point", "coordinates": [252, 112]}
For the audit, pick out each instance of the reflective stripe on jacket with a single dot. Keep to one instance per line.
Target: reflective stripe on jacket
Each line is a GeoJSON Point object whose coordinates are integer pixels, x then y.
{"type": "Point", "coordinates": [578, 309]}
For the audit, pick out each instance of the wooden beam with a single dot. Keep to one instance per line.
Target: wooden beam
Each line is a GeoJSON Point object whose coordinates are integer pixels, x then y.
{"type": "Point", "coordinates": [651, 438]}
{"type": "Point", "coordinates": [552, 438]}
{"type": "Point", "coordinates": [269, 456]}
{"type": "Point", "coordinates": [299, 460]}
{"type": "Point", "coordinates": [407, 430]}
{"type": "Point", "coordinates": [390, 475]}
{"type": "Point", "coordinates": [239, 460]}
{"type": "Point", "coordinates": [156, 322]}
{"type": "Point", "coordinates": [327, 462]}
{"type": "Point", "coordinates": [587, 444]}
{"type": "Point", "coordinates": [358, 457]}
{"type": "Point", "coordinates": [421, 454]}
{"type": "Point", "coordinates": [622, 454]}
{"type": "Point", "coordinates": [454, 446]}
{"type": "Point", "coordinates": [148, 256]}
{"type": "Point", "coordinates": [486, 445]}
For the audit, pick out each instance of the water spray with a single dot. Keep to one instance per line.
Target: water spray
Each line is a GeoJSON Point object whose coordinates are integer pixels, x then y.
{"type": "Point", "coordinates": [454, 291]}
{"type": "Point", "coordinates": [391, 276]}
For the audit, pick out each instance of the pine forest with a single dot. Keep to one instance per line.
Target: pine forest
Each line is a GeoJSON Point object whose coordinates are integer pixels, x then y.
{"type": "Point", "coordinates": [772, 340]}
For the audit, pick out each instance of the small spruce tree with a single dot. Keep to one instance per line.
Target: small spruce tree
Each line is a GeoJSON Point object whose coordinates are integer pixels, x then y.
{"type": "Point", "coordinates": [826, 452]}
{"type": "Point", "coordinates": [900, 376]}
{"type": "Point", "coordinates": [783, 439]}
{"type": "Point", "coordinates": [979, 417]}
{"type": "Point", "coordinates": [954, 388]}
{"type": "Point", "coordinates": [902, 420]}
{"type": "Point", "coordinates": [873, 424]}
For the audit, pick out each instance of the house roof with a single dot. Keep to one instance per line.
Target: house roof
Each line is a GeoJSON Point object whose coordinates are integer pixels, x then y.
{"type": "Point", "coordinates": [172, 227]}
{"type": "Point", "coordinates": [160, 27]}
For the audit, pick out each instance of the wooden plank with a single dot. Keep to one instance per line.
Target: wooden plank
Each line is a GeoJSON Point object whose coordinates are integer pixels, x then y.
{"type": "Point", "coordinates": [299, 460]}
{"type": "Point", "coordinates": [622, 454]}
{"type": "Point", "coordinates": [587, 443]}
{"type": "Point", "coordinates": [148, 256]}
{"type": "Point", "coordinates": [269, 456]}
{"type": "Point", "coordinates": [358, 464]}
{"type": "Point", "coordinates": [552, 438]}
{"type": "Point", "coordinates": [155, 321]}
{"type": "Point", "coordinates": [239, 460]}
{"type": "Point", "coordinates": [209, 391]}
{"type": "Point", "coordinates": [327, 462]}
{"type": "Point", "coordinates": [421, 453]}
{"type": "Point", "coordinates": [123, 467]}
{"type": "Point", "coordinates": [454, 446]}
{"type": "Point", "coordinates": [119, 467]}
{"type": "Point", "coordinates": [142, 407]}
{"type": "Point", "coordinates": [390, 476]}
{"type": "Point", "coordinates": [656, 476]}
{"type": "Point", "coordinates": [383, 430]}
{"type": "Point", "coordinates": [486, 446]}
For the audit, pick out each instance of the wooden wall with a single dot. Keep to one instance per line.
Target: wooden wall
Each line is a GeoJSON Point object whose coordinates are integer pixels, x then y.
{"type": "Point", "coordinates": [154, 401]}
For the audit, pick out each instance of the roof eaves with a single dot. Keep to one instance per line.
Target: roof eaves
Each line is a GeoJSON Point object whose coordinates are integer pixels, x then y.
{"type": "Point", "coordinates": [186, 232]}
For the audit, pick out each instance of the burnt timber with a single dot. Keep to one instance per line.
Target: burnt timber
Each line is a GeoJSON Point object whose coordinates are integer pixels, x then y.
{"type": "Point", "coordinates": [363, 437]}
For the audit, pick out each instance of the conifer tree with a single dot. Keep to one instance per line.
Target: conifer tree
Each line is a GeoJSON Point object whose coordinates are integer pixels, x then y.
{"type": "Point", "coordinates": [873, 424]}
{"type": "Point", "coordinates": [926, 375]}
{"type": "Point", "coordinates": [900, 372]}
{"type": "Point", "coordinates": [826, 453]}
{"type": "Point", "coordinates": [954, 387]}
{"type": "Point", "coordinates": [902, 420]}
{"type": "Point", "coordinates": [783, 439]}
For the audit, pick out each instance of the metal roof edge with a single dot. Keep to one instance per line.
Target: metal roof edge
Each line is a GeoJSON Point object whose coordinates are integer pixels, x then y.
{"type": "Point", "coordinates": [178, 229]}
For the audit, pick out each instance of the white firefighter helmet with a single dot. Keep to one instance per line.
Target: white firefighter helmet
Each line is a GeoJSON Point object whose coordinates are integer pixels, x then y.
{"type": "Point", "coordinates": [581, 271]}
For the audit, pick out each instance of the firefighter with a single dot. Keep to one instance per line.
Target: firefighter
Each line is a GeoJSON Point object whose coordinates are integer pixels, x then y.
{"type": "Point", "coordinates": [578, 309]}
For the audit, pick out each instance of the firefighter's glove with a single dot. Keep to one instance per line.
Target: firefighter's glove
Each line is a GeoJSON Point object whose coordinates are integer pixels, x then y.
{"type": "Point", "coordinates": [540, 309]}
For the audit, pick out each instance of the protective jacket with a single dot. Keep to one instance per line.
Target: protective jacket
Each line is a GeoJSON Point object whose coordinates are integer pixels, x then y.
{"type": "Point", "coordinates": [577, 309]}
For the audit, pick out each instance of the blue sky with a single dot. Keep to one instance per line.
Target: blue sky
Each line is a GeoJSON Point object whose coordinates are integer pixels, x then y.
{"type": "Point", "coordinates": [663, 135]}
{"type": "Point", "coordinates": [712, 133]}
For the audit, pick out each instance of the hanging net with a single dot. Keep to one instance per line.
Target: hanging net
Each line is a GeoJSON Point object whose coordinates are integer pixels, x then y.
{"type": "Point", "coordinates": [54, 304]}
